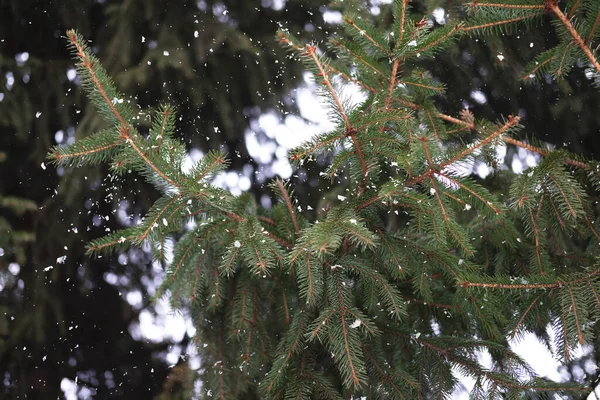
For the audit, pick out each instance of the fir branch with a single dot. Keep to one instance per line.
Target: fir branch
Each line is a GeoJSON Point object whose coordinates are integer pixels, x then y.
{"type": "Point", "coordinates": [124, 128]}
{"type": "Point", "coordinates": [478, 4]}
{"type": "Point", "coordinates": [363, 33]}
{"type": "Point", "coordinates": [166, 114]}
{"type": "Point", "coordinates": [523, 316]}
{"type": "Point", "coordinates": [573, 307]}
{"type": "Point", "coordinates": [594, 27]}
{"type": "Point", "coordinates": [512, 121]}
{"type": "Point", "coordinates": [553, 6]}
{"type": "Point", "coordinates": [288, 203]}
{"type": "Point", "coordinates": [542, 152]}
{"type": "Point", "coordinates": [496, 24]}
{"type": "Point", "coordinates": [311, 52]}
{"type": "Point", "coordinates": [358, 57]}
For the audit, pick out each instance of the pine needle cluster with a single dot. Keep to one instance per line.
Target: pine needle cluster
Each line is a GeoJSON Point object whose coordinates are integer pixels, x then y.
{"type": "Point", "coordinates": [411, 274]}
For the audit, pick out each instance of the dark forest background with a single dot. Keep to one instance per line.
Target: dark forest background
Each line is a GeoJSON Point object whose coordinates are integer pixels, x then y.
{"type": "Point", "coordinates": [224, 70]}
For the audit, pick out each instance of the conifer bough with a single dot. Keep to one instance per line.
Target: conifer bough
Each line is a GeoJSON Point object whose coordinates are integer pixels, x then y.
{"type": "Point", "coordinates": [415, 269]}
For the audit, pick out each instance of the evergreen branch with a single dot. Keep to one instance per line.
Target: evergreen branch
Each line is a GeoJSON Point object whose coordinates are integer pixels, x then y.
{"type": "Point", "coordinates": [311, 51]}
{"type": "Point", "coordinates": [125, 135]}
{"type": "Point", "coordinates": [512, 121]}
{"type": "Point", "coordinates": [87, 63]}
{"type": "Point", "coordinates": [557, 284]}
{"type": "Point", "coordinates": [594, 27]}
{"type": "Point", "coordinates": [542, 152]}
{"type": "Point", "coordinates": [565, 337]}
{"type": "Point", "coordinates": [165, 118]}
{"type": "Point", "coordinates": [565, 198]}
{"type": "Point", "coordinates": [94, 247]}
{"type": "Point", "coordinates": [392, 295]}
{"type": "Point", "coordinates": [348, 352]}
{"type": "Point", "coordinates": [124, 129]}
{"type": "Point", "coordinates": [591, 228]}
{"type": "Point", "coordinates": [573, 9]}
{"type": "Point", "coordinates": [538, 67]}
{"type": "Point", "coordinates": [317, 146]}
{"type": "Point", "coordinates": [59, 153]}
{"type": "Point", "coordinates": [288, 203]}
{"type": "Point", "coordinates": [560, 220]}
{"type": "Point", "coordinates": [363, 33]}
{"type": "Point", "coordinates": [574, 308]}
{"type": "Point", "coordinates": [435, 132]}
{"type": "Point", "coordinates": [216, 159]}
{"type": "Point", "coordinates": [553, 6]}
{"type": "Point", "coordinates": [182, 260]}
{"type": "Point", "coordinates": [594, 292]}
{"type": "Point", "coordinates": [456, 121]}
{"type": "Point", "coordinates": [498, 23]}
{"type": "Point", "coordinates": [285, 307]}
{"type": "Point", "coordinates": [451, 31]}
{"type": "Point", "coordinates": [159, 214]}
{"type": "Point", "coordinates": [403, 4]}
{"type": "Point", "coordinates": [387, 379]}
{"type": "Point", "coordinates": [439, 89]}
{"type": "Point", "coordinates": [477, 4]}
{"type": "Point", "coordinates": [536, 235]}
{"type": "Point", "coordinates": [392, 82]}
{"type": "Point", "coordinates": [470, 191]}
{"type": "Point", "coordinates": [339, 44]}
{"type": "Point", "coordinates": [522, 318]}
{"type": "Point", "coordinates": [386, 243]}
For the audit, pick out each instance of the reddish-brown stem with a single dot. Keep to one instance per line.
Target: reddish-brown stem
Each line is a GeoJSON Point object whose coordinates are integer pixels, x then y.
{"type": "Point", "coordinates": [162, 128]}
{"type": "Point", "coordinates": [155, 220]}
{"type": "Point", "coordinates": [219, 160]}
{"type": "Point", "coordinates": [594, 27]}
{"type": "Point", "coordinates": [556, 284]}
{"type": "Point", "coordinates": [59, 156]}
{"type": "Point", "coordinates": [497, 23]}
{"type": "Point", "coordinates": [392, 83]}
{"type": "Point", "coordinates": [312, 52]}
{"type": "Point", "coordinates": [288, 203]}
{"type": "Point", "coordinates": [457, 28]}
{"type": "Point", "coordinates": [512, 121]}
{"type": "Point", "coordinates": [514, 331]}
{"type": "Point", "coordinates": [553, 6]}
{"type": "Point", "coordinates": [574, 308]}
{"type": "Point", "coordinates": [124, 126]}
{"type": "Point", "coordinates": [502, 5]}
{"type": "Point", "coordinates": [365, 35]}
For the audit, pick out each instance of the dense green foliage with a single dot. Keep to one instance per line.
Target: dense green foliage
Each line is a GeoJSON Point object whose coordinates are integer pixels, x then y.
{"type": "Point", "coordinates": [410, 272]}
{"type": "Point", "coordinates": [41, 215]}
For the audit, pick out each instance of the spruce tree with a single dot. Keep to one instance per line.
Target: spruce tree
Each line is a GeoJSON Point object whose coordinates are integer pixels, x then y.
{"type": "Point", "coordinates": [385, 290]}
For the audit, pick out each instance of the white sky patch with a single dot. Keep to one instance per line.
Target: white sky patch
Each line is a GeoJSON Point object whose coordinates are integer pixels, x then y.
{"type": "Point", "coordinates": [71, 74]}
{"type": "Point", "coordinates": [483, 170]}
{"type": "Point", "coordinates": [439, 14]}
{"type": "Point", "coordinates": [332, 17]}
{"type": "Point", "coordinates": [355, 324]}
{"type": "Point", "coordinates": [478, 96]}
{"type": "Point", "coordinates": [517, 165]}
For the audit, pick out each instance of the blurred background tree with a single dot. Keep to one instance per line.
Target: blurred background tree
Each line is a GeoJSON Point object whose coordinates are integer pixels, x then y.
{"type": "Point", "coordinates": [69, 317]}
